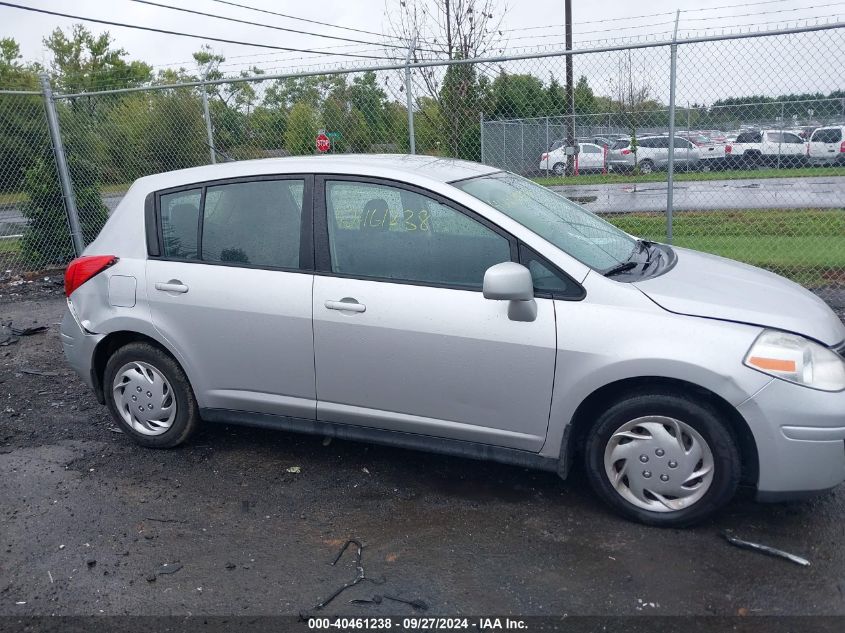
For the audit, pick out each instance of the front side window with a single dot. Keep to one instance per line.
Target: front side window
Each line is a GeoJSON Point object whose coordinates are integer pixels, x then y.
{"type": "Point", "coordinates": [180, 214]}
{"type": "Point", "coordinates": [571, 228]}
{"type": "Point", "coordinates": [384, 232]}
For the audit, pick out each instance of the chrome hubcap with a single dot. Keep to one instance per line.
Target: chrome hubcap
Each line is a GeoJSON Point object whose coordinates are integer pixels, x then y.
{"type": "Point", "coordinates": [659, 463]}
{"type": "Point", "coordinates": [144, 398]}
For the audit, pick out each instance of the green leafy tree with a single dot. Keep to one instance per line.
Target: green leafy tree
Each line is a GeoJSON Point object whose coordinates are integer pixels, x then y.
{"type": "Point", "coordinates": [301, 129]}
{"type": "Point", "coordinates": [518, 97]}
{"type": "Point", "coordinates": [83, 62]}
{"type": "Point", "coordinates": [585, 99]}
{"type": "Point", "coordinates": [46, 240]}
{"type": "Point", "coordinates": [22, 130]}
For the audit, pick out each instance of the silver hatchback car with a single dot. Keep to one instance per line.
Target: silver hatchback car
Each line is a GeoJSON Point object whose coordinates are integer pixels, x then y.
{"type": "Point", "coordinates": [448, 306]}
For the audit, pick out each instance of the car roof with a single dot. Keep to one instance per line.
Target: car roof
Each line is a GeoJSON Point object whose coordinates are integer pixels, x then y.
{"type": "Point", "coordinates": [398, 166]}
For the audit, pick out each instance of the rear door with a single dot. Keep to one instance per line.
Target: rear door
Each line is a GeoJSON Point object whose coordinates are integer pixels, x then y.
{"type": "Point", "coordinates": [229, 286]}
{"type": "Point", "coordinates": [590, 157]}
{"type": "Point", "coordinates": [404, 339]}
{"type": "Point", "coordinates": [825, 143]}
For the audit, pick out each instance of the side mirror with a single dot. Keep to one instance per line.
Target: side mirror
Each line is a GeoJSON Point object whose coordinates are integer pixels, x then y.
{"type": "Point", "coordinates": [512, 282]}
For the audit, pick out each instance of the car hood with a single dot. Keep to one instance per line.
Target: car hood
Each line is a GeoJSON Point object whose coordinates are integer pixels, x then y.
{"type": "Point", "coordinates": [714, 287]}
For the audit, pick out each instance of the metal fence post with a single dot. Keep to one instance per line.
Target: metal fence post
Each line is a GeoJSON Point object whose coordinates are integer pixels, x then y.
{"type": "Point", "coordinates": [670, 167]}
{"type": "Point", "coordinates": [409, 99]}
{"type": "Point", "coordinates": [61, 166]}
{"type": "Point", "coordinates": [548, 148]}
{"type": "Point", "coordinates": [481, 128]}
{"type": "Point", "coordinates": [780, 133]}
{"type": "Point", "coordinates": [207, 117]}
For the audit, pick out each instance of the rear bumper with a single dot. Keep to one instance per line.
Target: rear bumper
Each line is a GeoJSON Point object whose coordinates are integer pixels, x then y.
{"type": "Point", "coordinates": [78, 346]}
{"type": "Point", "coordinates": [800, 437]}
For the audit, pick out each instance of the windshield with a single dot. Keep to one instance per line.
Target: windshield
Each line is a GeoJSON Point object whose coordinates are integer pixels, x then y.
{"type": "Point", "coordinates": [571, 228]}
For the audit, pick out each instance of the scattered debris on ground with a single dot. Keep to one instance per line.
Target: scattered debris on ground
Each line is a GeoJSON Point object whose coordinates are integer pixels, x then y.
{"type": "Point", "coordinates": [765, 549]}
{"type": "Point", "coordinates": [360, 576]}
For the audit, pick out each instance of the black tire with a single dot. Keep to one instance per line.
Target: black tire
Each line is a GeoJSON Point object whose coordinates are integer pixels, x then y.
{"type": "Point", "coordinates": [559, 169]}
{"type": "Point", "coordinates": [703, 418]}
{"type": "Point", "coordinates": [187, 412]}
{"type": "Point", "coordinates": [646, 166]}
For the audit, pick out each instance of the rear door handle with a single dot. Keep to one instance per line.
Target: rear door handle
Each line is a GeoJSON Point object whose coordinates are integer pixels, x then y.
{"type": "Point", "coordinates": [346, 305]}
{"type": "Point", "coordinates": [173, 285]}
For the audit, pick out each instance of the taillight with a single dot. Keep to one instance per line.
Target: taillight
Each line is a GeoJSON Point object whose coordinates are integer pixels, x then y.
{"type": "Point", "coordinates": [544, 156]}
{"type": "Point", "coordinates": [842, 147]}
{"type": "Point", "coordinates": [625, 152]}
{"type": "Point", "coordinates": [82, 269]}
{"type": "Point", "coordinates": [728, 149]}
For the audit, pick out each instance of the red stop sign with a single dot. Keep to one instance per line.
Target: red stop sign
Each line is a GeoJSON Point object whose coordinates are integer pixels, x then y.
{"type": "Point", "coordinates": [323, 143]}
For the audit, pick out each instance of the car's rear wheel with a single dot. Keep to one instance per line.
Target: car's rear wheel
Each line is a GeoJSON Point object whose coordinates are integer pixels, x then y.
{"type": "Point", "coordinates": [663, 459]}
{"type": "Point", "coordinates": [646, 166]}
{"type": "Point", "coordinates": [149, 396]}
{"type": "Point", "coordinates": [559, 169]}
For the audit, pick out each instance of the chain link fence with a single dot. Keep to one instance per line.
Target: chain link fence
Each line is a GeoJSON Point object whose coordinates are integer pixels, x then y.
{"type": "Point", "coordinates": [757, 174]}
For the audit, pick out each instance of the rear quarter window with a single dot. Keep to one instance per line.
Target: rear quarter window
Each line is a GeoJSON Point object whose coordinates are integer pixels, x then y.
{"type": "Point", "coordinates": [180, 223]}
{"type": "Point", "coordinates": [829, 135]}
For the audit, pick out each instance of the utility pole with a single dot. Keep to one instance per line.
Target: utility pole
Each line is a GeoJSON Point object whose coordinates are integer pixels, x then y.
{"type": "Point", "coordinates": [409, 97]}
{"type": "Point", "coordinates": [570, 93]}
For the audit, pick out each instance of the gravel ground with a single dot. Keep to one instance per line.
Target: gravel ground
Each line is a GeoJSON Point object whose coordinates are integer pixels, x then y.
{"type": "Point", "coordinates": [92, 523]}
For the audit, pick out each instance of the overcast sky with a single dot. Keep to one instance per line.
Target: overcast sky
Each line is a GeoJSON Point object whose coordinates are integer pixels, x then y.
{"type": "Point", "coordinates": [756, 69]}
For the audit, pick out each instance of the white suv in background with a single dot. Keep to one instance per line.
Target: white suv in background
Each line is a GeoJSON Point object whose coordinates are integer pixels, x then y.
{"type": "Point", "coordinates": [755, 147]}
{"type": "Point", "coordinates": [827, 145]}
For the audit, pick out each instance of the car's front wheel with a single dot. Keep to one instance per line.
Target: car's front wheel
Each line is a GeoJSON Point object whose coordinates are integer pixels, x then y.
{"type": "Point", "coordinates": [149, 396]}
{"type": "Point", "coordinates": [559, 169]}
{"type": "Point", "coordinates": [663, 459]}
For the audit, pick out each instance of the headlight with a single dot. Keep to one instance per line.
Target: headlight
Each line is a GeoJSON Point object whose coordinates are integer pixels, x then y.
{"type": "Point", "coordinates": [796, 359]}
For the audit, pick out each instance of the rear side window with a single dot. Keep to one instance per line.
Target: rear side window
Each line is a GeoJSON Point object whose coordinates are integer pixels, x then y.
{"type": "Point", "coordinates": [180, 223]}
{"type": "Point", "coordinates": [620, 144]}
{"type": "Point", "coordinates": [829, 135]}
{"type": "Point", "coordinates": [254, 223]}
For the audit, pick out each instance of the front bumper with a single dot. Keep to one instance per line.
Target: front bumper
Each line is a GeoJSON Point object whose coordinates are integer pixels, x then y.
{"type": "Point", "coordinates": [78, 346]}
{"type": "Point", "coordinates": [800, 437]}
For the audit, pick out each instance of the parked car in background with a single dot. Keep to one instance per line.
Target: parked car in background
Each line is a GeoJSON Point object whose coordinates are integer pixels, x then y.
{"type": "Point", "coordinates": [590, 158]}
{"type": "Point", "coordinates": [448, 306]}
{"type": "Point", "coordinates": [652, 154]}
{"type": "Point", "coordinates": [827, 145]}
{"type": "Point", "coordinates": [712, 153]}
{"type": "Point", "coordinates": [717, 136]}
{"type": "Point", "coordinates": [754, 148]}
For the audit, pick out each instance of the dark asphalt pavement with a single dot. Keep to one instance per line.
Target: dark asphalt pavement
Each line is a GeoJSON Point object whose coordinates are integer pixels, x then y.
{"type": "Point", "coordinates": [89, 520]}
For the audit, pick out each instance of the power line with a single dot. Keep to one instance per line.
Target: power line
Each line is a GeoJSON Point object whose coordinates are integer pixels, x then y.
{"type": "Point", "coordinates": [267, 26]}
{"type": "Point", "coordinates": [293, 17]}
{"type": "Point", "coordinates": [763, 13]}
{"type": "Point", "coordinates": [552, 26]}
{"type": "Point", "coordinates": [180, 34]}
{"type": "Point", "coordinates": [735, 6]}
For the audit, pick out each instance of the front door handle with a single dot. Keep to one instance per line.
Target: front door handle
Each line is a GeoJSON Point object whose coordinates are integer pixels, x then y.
{"type": "Point", "coordinates": [174, 285]}
{"type": "Point", "coordinates": [347, 304]}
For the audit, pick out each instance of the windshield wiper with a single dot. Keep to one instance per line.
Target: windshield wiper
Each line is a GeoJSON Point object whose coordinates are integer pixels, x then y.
{"type": "Point", "coordinates": [621, 268]}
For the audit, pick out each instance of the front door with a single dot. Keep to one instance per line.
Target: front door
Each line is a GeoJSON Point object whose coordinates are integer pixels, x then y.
{"type": "Point", "coordinates": [231, 292]}
{"type": "Point", "coordinates": [404, 339]}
